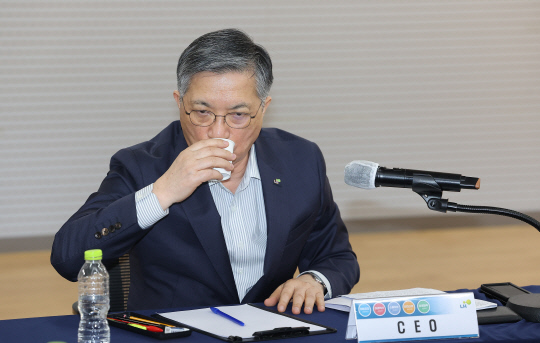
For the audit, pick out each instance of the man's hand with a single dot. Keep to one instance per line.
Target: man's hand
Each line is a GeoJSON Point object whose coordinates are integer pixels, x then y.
{"type": "Point", "coordinates": [302, 290]}
{"type": "Point", "coordinates": [191, 168]}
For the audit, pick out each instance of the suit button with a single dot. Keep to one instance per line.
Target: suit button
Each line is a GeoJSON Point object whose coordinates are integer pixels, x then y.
{"type": "Point", "coordinates": [97, 235]}
{"type": "Point", "coordinates": [112, 228]}
{"type": "Point", "coordinates": [118, 225]}
{"type": "Point", "coordinates": [105, 231]}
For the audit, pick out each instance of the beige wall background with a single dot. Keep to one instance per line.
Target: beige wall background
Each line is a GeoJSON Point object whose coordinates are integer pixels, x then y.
{"type": "Point", "coordinates": [437, 85]}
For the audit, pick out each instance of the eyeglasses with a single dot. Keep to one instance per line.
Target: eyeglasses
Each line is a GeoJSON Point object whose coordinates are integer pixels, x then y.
{"type": "Point", "coordinates": [235, 120]}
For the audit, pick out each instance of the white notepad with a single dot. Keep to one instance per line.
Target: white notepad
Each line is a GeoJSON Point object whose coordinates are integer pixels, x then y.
{"type": "Point", "coordinates": [254, 318]}
{"type": "Point", "coordinates": [343, 303]}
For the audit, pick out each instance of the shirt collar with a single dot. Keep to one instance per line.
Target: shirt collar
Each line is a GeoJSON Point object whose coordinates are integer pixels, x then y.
{"type": "Point", "coordinates": [252, 171]}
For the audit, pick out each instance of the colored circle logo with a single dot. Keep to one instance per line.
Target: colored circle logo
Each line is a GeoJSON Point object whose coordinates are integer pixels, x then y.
{"type": "Point", "coordinates": [379, 309]}
{"type": "Point", "coordinates": [408, 307]}
{"type": "Point", "coordinates": [394, 308]}
{"type": "Point", "coordinates": [364, 310]}
{"type": "Point", "coordinates": [423, 306]}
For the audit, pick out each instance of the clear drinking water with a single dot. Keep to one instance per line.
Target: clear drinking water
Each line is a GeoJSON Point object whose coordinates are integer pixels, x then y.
{"type": "Point", "coordinates": [93, 301]}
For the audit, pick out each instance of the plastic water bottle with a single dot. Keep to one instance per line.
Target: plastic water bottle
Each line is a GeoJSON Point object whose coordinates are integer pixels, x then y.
{"type": "Point", "coordinates": [93, 282]}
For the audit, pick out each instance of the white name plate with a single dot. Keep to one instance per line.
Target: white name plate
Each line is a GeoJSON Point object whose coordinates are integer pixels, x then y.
{"type": "Point", "coordinates": [413, 318]}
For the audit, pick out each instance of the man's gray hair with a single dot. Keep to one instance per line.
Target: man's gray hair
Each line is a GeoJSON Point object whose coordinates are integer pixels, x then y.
{"type": "Point", "coordinates": [223, 51]}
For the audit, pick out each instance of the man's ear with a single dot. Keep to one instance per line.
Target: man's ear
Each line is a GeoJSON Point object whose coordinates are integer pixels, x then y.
{"type": "Point", "coordinates": [267, 102]}
{"type": "Point", "coordinates": [176, 95]}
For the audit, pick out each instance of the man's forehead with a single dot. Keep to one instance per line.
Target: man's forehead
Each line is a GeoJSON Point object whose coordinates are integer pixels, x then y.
{"type": "Point", "coordinates": [231, 90]}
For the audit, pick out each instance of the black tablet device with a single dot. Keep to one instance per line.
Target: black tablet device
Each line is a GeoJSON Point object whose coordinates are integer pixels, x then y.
{"type": "Point", "coordinates": [502, 291]}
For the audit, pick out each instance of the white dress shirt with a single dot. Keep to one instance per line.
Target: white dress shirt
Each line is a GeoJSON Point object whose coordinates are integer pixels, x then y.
{"type": "Point", "coordinates": [243, 220]}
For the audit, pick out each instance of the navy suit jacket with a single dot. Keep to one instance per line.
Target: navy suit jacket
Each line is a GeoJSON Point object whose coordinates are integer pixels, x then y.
{"type": "Point", "coordinates": [182, 260]}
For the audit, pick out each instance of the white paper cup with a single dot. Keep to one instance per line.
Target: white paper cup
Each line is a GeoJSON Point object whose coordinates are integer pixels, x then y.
{"type": "Point", "coordinates": [226, 174]}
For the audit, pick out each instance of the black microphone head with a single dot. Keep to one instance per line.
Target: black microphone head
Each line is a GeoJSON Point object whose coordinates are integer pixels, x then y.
{"type": "Point", "coordinates": [361, 174]}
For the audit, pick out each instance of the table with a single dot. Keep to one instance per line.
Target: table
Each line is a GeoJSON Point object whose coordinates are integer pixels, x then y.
{"type": "Point", "coordinates": [64, 328]}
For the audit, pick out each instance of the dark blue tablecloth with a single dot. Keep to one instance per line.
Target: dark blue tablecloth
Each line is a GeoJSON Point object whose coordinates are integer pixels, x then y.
{"type": "Point", "coordinates": [64, 328]}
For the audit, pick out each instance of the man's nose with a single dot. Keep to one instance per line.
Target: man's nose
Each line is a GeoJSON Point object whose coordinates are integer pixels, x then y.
{"type": "Point", "coordinates": [219, 129]}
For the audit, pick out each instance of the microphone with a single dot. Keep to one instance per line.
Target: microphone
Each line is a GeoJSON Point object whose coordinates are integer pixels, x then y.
{"type": "Point", "coordinates": [368, 175]}
{"type": "Point", "coordinates": [428, 184]}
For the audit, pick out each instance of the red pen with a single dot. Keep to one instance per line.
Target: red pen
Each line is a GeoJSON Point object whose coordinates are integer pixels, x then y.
{"type": "Point", "coordinates": [147, 327]}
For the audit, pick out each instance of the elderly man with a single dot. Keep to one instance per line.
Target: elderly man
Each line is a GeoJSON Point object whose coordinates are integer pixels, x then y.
{"type": "Point", "coordinates": [197, 240]}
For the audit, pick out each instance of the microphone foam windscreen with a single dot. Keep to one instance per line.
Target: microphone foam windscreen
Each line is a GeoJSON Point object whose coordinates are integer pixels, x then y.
{"type": "Point", "coordinates": [361, 174]}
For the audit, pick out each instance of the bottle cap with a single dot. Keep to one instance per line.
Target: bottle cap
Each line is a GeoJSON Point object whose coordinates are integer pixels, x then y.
{"type": "Point", "coordinates": [92, 255]}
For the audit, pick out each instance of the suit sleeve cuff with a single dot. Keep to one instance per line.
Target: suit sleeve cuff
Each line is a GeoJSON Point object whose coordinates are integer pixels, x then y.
{"type": "Point", "coordinates": [149, 210]}
{"type": "Point", "coordinates": [328, 294]}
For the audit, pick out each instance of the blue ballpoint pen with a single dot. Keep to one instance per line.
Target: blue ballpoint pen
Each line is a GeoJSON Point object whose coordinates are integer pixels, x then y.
{"type": "Point", "coordinates": [216, 311]}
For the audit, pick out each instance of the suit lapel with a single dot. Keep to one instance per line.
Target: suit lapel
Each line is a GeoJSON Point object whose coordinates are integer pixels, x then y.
{"type": "Point", "coordinates": [275, 190]}
{"type": "Point", "coordinates": [206, 222]}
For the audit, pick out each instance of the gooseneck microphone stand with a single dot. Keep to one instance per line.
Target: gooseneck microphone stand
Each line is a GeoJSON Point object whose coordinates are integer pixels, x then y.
{"type": "Point", "coordinates": [526, 305]}
{"type": "Point", "coordinates": [431, 192]}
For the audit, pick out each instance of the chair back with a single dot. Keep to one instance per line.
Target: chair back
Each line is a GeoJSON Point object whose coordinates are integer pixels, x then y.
{"type": "Point", "coordinates": [119, 277]}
